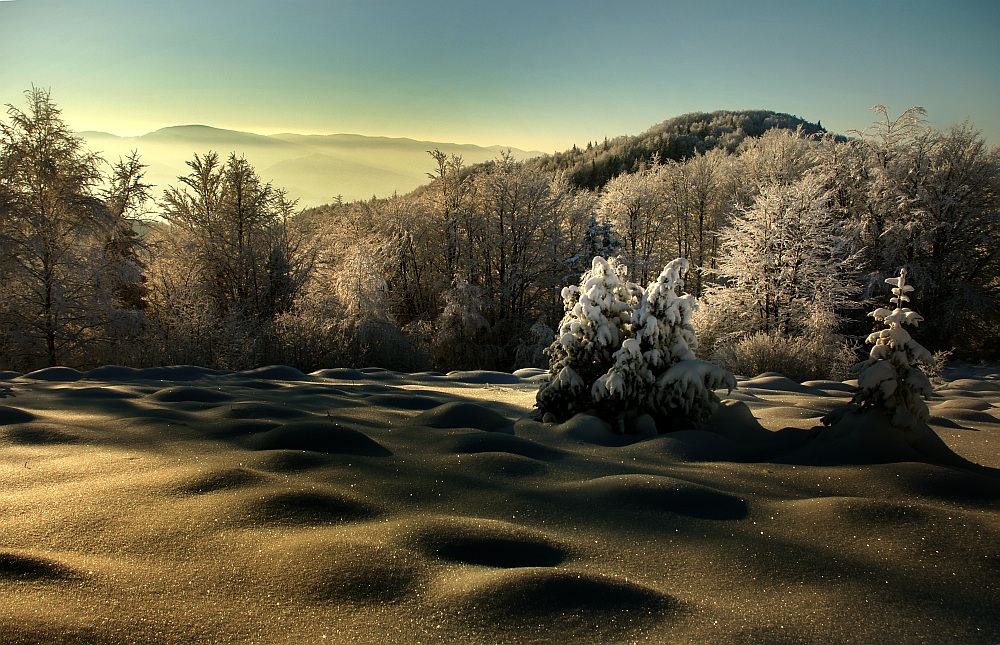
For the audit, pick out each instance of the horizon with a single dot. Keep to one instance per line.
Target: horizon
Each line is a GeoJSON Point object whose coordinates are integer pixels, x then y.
{"type": "Point", "coordinates": [288, 132]}
{"type": "Point", "coordinates": [535, 76]}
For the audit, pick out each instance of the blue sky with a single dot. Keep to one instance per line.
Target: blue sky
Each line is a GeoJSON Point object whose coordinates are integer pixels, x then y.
{"type": "Point", "coordinates": [533, 74]}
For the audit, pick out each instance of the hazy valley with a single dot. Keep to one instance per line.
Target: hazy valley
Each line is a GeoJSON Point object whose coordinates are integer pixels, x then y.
{"type": "Point", "coordinates": [312, 168]}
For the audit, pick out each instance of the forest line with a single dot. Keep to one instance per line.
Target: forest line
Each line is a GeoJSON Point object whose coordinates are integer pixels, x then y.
{"type": "Point", "coordinates": [788, 234]}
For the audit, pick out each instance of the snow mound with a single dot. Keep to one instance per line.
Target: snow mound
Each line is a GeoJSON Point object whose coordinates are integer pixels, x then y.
{"type": "Point", "coordinates": [463, 415]}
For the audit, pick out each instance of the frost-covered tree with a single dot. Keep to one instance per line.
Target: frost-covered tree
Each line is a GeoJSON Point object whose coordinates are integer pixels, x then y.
{"type": "Point", "coordinates": [236, 226]}
{"type": "Point", "coordinates": [461, 335]}
{"type": "Point", "coordinates": [448, 200]}
{"type": "Point", "coordinates": [779, 156]}
{"type": "Point", "coordinates": [891, 377]}
{"type": "Point", "coordinates": [125, 251]}
{"type": "Point", "coordinates": [55, 280]}
{"type": "Point", "coordinates": [366, 328]}
{"type": "Point", "coordinates": [867, 174]}
{"type": "Point", "coordinates": [928, 199]}
{"type": "Point", "coordinates": [493, 240]}
{"type": "Point", "coordinates": [231, 230]}
{"type": "Point", "coordinates": [509, 233]}
{"type": "Point", "coordinates": [600, 240]}
{"type": "Point", "coordinates": [574, 235]}
{"type": "Point", "coordinates": [699, 195]}
{"type": "Point", "coordinates": [182, 326]}
{"type": "Point", "coordinates": [633, 205]}
{"type": "Point", "coordinates": [784, 261]}
{"type": "Point", "coordinates": [622, 352]}
{"type": "Point", "coordinates": [507, 230]}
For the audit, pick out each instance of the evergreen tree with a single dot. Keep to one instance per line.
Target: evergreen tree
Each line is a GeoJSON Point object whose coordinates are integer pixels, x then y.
{"type": "Point", "coordinates": [598, 315]}
{"type": "Point", "coordinates": [891, 377]}
{"type": "Point", "coordinates": [656, 370]}
{"type": "Point", "coordinates": [622, 352]}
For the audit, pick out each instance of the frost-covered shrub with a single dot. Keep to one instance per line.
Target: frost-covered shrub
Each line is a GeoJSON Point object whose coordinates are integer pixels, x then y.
{"type": "Point", "coordinates": [622, 351]}
{"type": "Point", "coordinates": [891, 377]}
{"type": "Point", "coordinates": [935, 372]}
{"type": "Point", "coordinates": [308, 334]}
{"type": "Point", "coordinates": [800, 358]}
{"type": "Point", "coordinates": [378, 342]}
{"type": "Point", "coordinates": [531, 351]}
{"type": "Point", "coordinates": [461, 338]}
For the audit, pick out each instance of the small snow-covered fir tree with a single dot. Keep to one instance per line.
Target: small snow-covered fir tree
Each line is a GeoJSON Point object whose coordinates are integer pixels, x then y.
{"type": "Point", "coordinates": [663, 320]}
{"type": "Point", "coordinates": [891, 377]}
{"type": "Point", "coordinates": [598, 312]}
{"type": "Point", "coordinates": [662, 335]}
{"type": "Point", "coordinates": [624, 388]}
{"type": "Point", "coordinates": [652, 369]}
{"type": "Point", "coordinates": [684, 387]}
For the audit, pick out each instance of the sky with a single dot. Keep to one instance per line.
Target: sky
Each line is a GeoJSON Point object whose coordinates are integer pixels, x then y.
{"type": "Point", "coordinates": [535, 74]}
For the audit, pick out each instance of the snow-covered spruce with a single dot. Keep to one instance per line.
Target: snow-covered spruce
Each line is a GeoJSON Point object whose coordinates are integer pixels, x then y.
{"type": "Point", "coordinates": [621, 352]}
{"type": "Point", "coordinates": [598, 314]}
{"type": "Point", "coordinates": [891, 377]}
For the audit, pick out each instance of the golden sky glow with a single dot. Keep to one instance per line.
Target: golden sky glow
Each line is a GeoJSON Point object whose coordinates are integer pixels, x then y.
{"type": "Point", "coordinates": [535, 75]}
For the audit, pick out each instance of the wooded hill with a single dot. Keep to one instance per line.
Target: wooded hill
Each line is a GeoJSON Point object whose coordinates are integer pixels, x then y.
{"type": "Point", "coordinates": [675, 139]}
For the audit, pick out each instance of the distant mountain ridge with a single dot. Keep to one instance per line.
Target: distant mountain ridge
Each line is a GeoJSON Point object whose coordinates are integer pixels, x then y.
{"type": "Point", "coordinates": [313, 168]}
